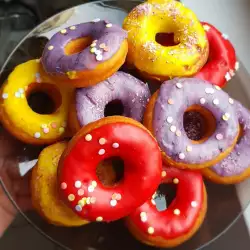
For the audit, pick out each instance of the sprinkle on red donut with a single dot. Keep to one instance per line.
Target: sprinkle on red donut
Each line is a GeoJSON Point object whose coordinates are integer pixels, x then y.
{"type": "Point", "coordinates": [222, 62]}
{"type": "Point", "coordinates": [78, 182]}
{"type": "Point", "coordinates": [151, 225]}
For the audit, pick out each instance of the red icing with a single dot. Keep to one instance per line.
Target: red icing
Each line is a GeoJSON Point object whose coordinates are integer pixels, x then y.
{"type": "Point", "coordinates": [142, 174]}
{"type": "Point", "coordinates": [166, 224]}
{"type": "Point", "coordinates": [222, 58]}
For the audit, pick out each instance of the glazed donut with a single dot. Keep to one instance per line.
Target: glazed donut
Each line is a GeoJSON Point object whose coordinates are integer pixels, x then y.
{"type": "Point", "coordinates": [19, 118]}
{"type": "Point", "coordinates": [180, 220]}
{"type": "Point", "coordinates": [222, 62]}
{"type": "Point", "coordinates": [90, 102]}
{"type": "Point", "coordinates": [86, 53]}
{"type": "Point", "coordinates": [184, 58]}
{"type": "Point", "coordinates": [44, 190]}
{"type": "Point", "coordinates": [236, 167]}
{"type": "Point", "coordinates": [109, 137]}
{"type": "Point", "coordinates": [164, 118]}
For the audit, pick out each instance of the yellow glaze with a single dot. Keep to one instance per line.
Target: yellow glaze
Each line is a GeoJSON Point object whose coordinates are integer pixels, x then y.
{"type": "Point", "coordinates": [17, 116]}
{"type": "Point", "coordinates": [44, 189]}
{"type": "Point", "coordinates": [154, 60]}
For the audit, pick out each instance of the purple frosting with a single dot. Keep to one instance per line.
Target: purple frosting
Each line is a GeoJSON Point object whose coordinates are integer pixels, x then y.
{"type": "Point", "coordinates": [55, 61]}
{"type": "Point", "coordinates": [239, 159]}
{"type": "Point", "coordinates": [133, 94]}
{"type": "Point", "coordinates": [175, 96]}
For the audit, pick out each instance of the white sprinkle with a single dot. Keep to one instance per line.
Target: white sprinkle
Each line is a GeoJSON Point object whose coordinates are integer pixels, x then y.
{"type": "Point", "coordinates": [231, 101]}
{"type": "Point", "coordinates": [225, 36]}
{"type": "Point", "coordinates": [78, 184]}
{"type": "Point", "coordinates": [37, 135]}
{"type": "Point", "coordinates": [101, 151]}
{"type": "Point", "coordinates": [17, 94]}
{"type": "Point", "coordinates": [78, 208]}
{"type": "Point", "coordinates": [102, 141]}
{"type": "Point", "coordinates": [237, 66]}
{"type": "Point", "coordinates": [178, 85]}
{"type": "Point", "coordinates": [209, 90]}
{"type": "Point", "coordinates": [64, 31]}
{"type": "Point", "coordinates": [153, 201]}
{"type": "Point", "coordinates": [98, 52]}
{"type": "Point", "coordinates": [113, 203]}
{"type": "Point", "coordinates": [98, 57]}
{"type": "Point", "coordinates": [163, 173]}
{"type": "Point", "coordinates": [115, 145]}
{"type": "Point", "coordinates": [5, 95]}
{"type": "Point", "coordinates": [227, 115]}
{"type": "Point", "coordinates": [109, 25]}
{"type": "Point", "coordinates": [202, 100]}
{"type": "Point", "coordinates": [228, 76]}
{"type": "Point", "coordinates": [50, 47]}
{"type": "Point", "coordinates": [144, 219]}
{"type": "Point", "coordinates": [99, 219]}
{"type": "Point", "coordinates": [217, 87]}
{"type": "Point", "coordinates": [194, 204]}
{"type": "Point", "coordinates": [178, 133]}
{"type": "Point", "coordinates": [182, 156]}
{"type": "Point", "coordinates": [177, 212]}
{"type": "Point", "coordinates": [176, 181]}
{"type": "Point", "coordinates": [206, 27]}
{"type": "Point", "coordinates": [189, 148]}
{"type": "Point", "coordinates": [80, 192]}
{"type": "Point", "coordinates": [151, 230]}
{"type": "Point", "coordinates": [91, 189]}
{"type": "Point", "coordinates": [219, 137]}
{"type": "Point", "coordinates": [88, 137]}
{"type": "Point", "coordinates": [170, 119]}
{"type": "Point", "coordinates": [63, 185]}
{"type": "Point", "coordinates": [96, 20]}
{"type": "Point", "coordinates": [72, 27]}
{"type": "Point", "coordinates": [21, 90]}
{"type": "Point", "coordinates": [216, 102]}
{"type": "Point", "coordinates": [143, 214]}
{"type": "Point", "coordinates": [231, 72]}
{"type": "Point", "coordinates": [173, 129]}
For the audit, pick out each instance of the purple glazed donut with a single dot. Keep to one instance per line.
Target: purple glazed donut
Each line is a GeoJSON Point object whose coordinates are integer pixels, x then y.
{"type": "Point", "coordinates": [131, 92]}
{"type": "Point", "coordinates": [235, 167]}
{"type": "Point", "coordinates": [109, 44]}
{"type": "Point", "coordinates": [177, 96]}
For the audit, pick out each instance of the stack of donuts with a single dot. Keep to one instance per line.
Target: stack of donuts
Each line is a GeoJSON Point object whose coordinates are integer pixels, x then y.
{"type": "Point", "coordinates": [188, 129]}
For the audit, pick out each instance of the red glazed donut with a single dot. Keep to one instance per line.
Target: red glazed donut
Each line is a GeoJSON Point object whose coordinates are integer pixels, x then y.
{"type": "Point", "coordinates": [114, 136]}
{"type": "Point", "coordinates": [180, 220]}
{"type": "Point", "coordinates": [222, 62]}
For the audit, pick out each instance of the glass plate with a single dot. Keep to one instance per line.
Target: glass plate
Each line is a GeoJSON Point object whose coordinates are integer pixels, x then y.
{"type": "Point", "coordinates": [225, 205]}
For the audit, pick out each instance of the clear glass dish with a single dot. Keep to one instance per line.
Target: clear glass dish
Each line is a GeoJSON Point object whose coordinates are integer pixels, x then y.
{"type": "Point", "coordinates": [225, 204]}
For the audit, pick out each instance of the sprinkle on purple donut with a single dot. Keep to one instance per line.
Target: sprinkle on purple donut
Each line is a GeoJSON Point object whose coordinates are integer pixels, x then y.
{"type": "Point", "coordinates": [133, 94]}
{"type": "Point", "coordinates": [175, 96]}
{"type": "Point", "coordinates": [107, 39]}
{"type": "Point", "coordinates": [239, 159]}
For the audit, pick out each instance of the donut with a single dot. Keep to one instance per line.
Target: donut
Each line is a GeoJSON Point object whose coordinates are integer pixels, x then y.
{"type": "Point", "coordinates": [164, 118]}
{"type": "Point", "coordinates": [44, 191]}
{"type": "Point", "coordinates": [121, 87]}
{"type": "Point", "coordinates": [222, 62]}
{"type": "Point", "coordinates": [182, 218]}
{"type": "Point", "coordinates": [19, 118]}
{"type": "Point", "coordinates": [106, 138]}
{"type": "Point", "coordinates": [188, 51]}
{"type": "Point", "coordinates": [86, 53]}
{"type": "Point", "coordinates": [235, 167]}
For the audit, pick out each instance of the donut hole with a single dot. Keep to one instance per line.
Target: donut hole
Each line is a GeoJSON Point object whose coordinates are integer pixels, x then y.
{"type": "Point", "coordinates": [43, 98]}
{"type": "Point", "coordinates": [110, 171]}
{"type": "Point", "coordinates": [199, 123]}
{"type": "Point", "coordinates": [77, 45]}
{"type": "Point", "coordinates": [166, 39]}
{"type": "Point", "coordinates": [114, 107]}
{"type": "Point", "coordinates": [165, 195]}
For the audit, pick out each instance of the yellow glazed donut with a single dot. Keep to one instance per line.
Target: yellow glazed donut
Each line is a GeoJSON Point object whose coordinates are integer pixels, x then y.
{"type": "Point", "coordinates": [18, 117]}
{"type": "Point", "coordinates": [185, 57]}
{"type": "Point", "coordinates": [44, 189]}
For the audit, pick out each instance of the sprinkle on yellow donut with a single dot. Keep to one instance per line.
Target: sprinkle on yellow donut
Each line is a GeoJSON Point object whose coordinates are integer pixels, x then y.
{"type": "Point", "coordinates": [44, 189]}
{"type": "Point", "coordinates": [189, 52]}
{"type": "Point", "coordinates": [17, 116]}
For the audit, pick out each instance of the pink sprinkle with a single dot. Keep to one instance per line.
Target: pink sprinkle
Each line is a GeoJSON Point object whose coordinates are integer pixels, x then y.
{"type": "Point", "coordinates": [53, 125]}
{"type": "Point", "coordinates": [63, 185]}
{"type": "Point", "coordinates": [106, 49]}
{"type": "Point", "coordinates": [80, 192]}
{"type": "Point", "coordinates": [46, 130]}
